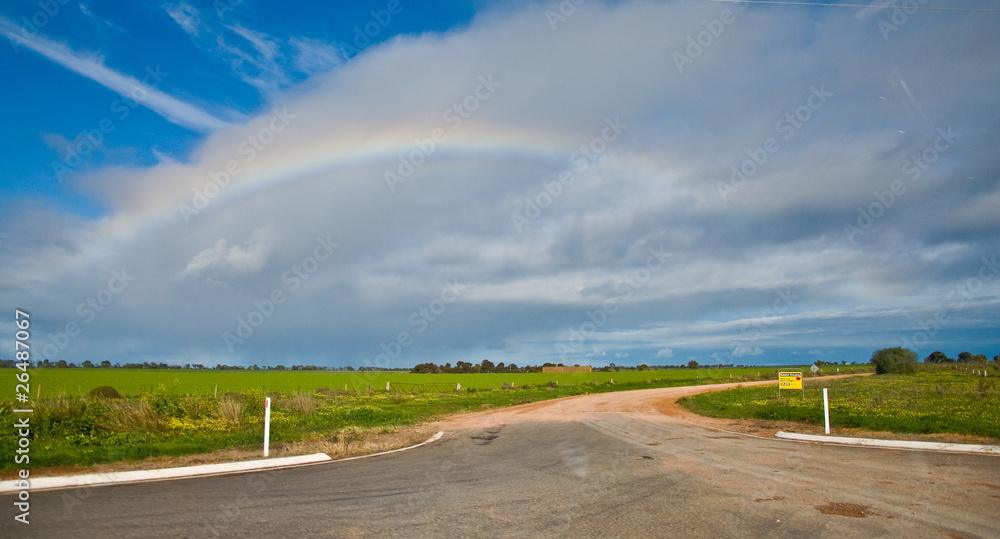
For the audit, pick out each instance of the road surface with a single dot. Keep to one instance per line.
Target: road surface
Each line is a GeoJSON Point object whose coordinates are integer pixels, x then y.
{"type": "Point", "coordinates": [606, 465]}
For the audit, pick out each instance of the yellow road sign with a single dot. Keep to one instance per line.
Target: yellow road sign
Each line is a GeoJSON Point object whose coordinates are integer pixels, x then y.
{"type": "Point", "coordinates": [790, 380]}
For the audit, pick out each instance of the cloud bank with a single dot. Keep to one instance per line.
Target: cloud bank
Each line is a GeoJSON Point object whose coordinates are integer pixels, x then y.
{"type": "Point", "coordinates": [643, 181]}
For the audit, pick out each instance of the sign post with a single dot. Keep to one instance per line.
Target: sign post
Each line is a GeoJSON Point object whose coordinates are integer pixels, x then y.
{"type": "Point", "coordinates": [790, 380]}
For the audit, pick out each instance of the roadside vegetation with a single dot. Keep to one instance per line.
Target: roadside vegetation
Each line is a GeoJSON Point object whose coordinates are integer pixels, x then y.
{"type": "Point", "coordinates": [147, 413]}
{"type": "Point", "coordinates": [926, 398]}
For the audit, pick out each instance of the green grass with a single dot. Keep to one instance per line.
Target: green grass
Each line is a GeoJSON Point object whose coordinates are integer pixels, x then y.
{"type": "Point", "coordinates": [170, 412]}
{"type": "Point", "coordinates": [933, 400]}
{"type": "Point", "coordinates": [135, 382]}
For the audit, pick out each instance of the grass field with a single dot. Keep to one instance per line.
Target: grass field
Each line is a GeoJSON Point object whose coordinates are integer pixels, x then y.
{"type": "Point", "coordinates": [932, 400]}
{"type": "Point", "coordinates": [130, 382]}
{"type": "Point", "coordinates": [173, 412]}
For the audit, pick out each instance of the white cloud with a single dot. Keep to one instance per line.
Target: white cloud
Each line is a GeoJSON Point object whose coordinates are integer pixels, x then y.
{"type": "Point", "coordinates": [266, 47]}
{"type": "Point", "coordinates": [186, 17]}
{"type": "Point", "coordinates": [224, 260]}
{"type": "Point", "coordinates": [664, 353]}
{"type": "Point", "coordinates": [742, 350]}
{"type": "Point", "coordinates": [313, 55]}
{"type": "Point", "coordinates": [144, 91]}
{"type": "Point", "coordinates": [263, 61]}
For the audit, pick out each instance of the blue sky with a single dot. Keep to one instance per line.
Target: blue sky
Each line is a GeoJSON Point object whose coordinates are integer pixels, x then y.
{"type": "Point", "coordinates": [389, 183]}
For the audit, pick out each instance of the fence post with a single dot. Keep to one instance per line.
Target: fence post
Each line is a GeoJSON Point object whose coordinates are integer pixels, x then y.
{"type": "Point", "coordinates": [826, 410]}
{"type": "Point", "coordinates": [267, 423]}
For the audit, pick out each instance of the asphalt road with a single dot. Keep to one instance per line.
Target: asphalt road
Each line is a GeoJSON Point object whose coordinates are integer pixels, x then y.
{"type": "Point", "coordinates": [559, 471]}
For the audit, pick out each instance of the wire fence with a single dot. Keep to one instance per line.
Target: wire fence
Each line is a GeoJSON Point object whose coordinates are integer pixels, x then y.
{"type": "Point", "coordinates": [400, 387]}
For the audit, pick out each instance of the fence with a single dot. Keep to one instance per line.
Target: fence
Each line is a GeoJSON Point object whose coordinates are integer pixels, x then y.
{"type": "Point", "coordinates": [399, 387]}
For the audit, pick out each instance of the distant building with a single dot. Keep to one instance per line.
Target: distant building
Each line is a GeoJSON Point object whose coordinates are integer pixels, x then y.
{"type": "Point", "coordinates": [547, 370]}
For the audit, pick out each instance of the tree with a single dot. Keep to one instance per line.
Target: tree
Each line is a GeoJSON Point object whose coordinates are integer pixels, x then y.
{"type": "Point", "coordinates": [692, 364]}
{"type": "Point", "coordinates": [979, 358]}
{"type": "Point", "coordinates": [893, 360]}
{"type": "Point", "coordinates": [996, 358]}
{"type": "Point", "coordinates": [965, 357]}
{"type": "Point", "coordinates": [938, 357]}
{"type": "Point", "coordinates": [426, 368]}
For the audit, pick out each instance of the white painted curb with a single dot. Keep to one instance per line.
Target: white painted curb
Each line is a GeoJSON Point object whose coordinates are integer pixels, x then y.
{"type": "Point", "coordinates": [893, 444]}
{"type": "Point", "coordinates": [113, 478]}
{"type": "Point", "coordinates": [164, 473]}
{"type": "Point", "coordinates": [432, 439]}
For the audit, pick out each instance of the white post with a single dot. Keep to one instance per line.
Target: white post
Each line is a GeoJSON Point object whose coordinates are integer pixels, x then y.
{"type": "Point", "coordinates": [826, 410]}
{"type": "Point", "coordinates": [387, 386]}
{"type": "Point", "coordinates": [267, 423]}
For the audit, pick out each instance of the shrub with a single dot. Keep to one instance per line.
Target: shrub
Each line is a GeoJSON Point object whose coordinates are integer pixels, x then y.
{"type": "Point", "coordinates": [131, 416]}
{"type": "Point", "coordinates": [105, 392]}
{"type": "Point", "coordinates": [230, 411]}
{"type": "Point", "coordinates": [196, 407]}
{"type": "Point", "coordinates": [351, 434]}
{"type": "Point", "coordinates": [62, 416]}
{"type": "Point", "coordinates": [300, 403]}
{"type": "Point", "coordinates": [896, 360]}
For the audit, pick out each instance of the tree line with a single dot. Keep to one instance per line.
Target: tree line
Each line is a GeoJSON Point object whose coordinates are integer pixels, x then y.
{"type": "Point", "coordinates": [902, 360]}
{"type": "Point", "coordinates": [62, 364]}
{"type": "Point", "coordinates": [938, 356]}
{"type": "Point", "coordinates": [487, 366]}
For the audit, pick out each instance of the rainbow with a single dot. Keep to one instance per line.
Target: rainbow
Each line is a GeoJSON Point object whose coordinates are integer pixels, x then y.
{"type": "Point", "coordinates": [288, 165]}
